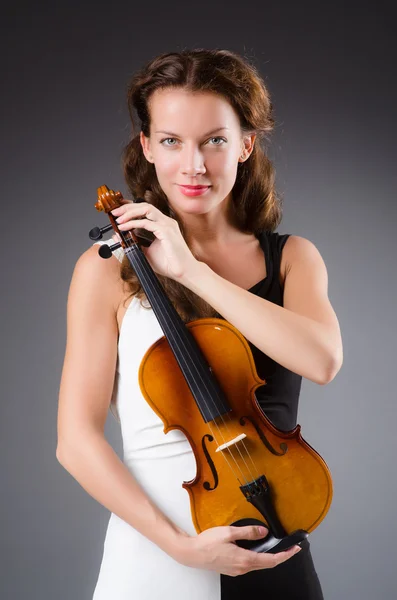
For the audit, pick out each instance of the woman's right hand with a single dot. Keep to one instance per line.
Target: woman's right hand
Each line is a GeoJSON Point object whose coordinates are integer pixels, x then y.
{"type": "Point", "coordinates": [215, 549]}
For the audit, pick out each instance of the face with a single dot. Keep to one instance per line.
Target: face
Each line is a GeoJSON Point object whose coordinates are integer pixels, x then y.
{"type": "Point", "coordinates": [195, 139]}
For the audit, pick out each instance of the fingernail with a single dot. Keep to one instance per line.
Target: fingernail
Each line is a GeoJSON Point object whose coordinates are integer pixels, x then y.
{"type": "Point", "coordinates": [262, 530]}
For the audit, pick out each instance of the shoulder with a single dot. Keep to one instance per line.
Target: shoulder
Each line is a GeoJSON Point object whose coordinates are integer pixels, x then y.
{"type": "Point", "coordinates": [306, 291]}
{"type": "Point", "coordinates": [299, 251]}
{"type": "Point", "coordinates": [91, 347]}
{"type": "Point", "coordinates": [96, 278]}
{"type": "Point", "coordinates": [306, 281]}
{"type": "Point", "coordinates": [296, 250]}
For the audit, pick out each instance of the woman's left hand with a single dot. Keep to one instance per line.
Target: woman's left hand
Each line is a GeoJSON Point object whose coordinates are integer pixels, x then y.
{"type": "Point", "coordinates": [168, 254]}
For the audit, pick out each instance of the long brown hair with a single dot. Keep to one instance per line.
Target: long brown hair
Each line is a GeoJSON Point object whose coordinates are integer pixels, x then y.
{"type": "Point", "coordinates": [255, 205]}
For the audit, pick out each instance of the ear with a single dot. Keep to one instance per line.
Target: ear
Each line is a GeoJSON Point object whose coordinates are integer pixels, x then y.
{"type": "Point", "coordinates": [145, 143]}
{"type": "Point", "coordinates": [247, 146]}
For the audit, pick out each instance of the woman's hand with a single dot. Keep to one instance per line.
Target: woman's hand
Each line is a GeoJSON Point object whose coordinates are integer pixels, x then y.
{"type": "Point", "coordinates": [215, 550]}
{"type": "Point", "coordinates": [168, 254]}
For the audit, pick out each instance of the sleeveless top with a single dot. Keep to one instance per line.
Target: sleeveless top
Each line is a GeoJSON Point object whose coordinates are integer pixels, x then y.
{"type": "Point", "coordinates": [132, 565]}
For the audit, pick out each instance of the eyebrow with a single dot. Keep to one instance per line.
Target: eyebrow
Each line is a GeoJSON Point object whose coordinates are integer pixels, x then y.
{"type": "Point", "coordinates": [205, 135]}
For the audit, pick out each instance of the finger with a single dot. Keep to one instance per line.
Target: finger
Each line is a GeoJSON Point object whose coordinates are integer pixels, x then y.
{"type": "Point", "coordinates": [132, 214]}
{"type": "Point", "coordinates": [272, 560]}
{"type": "Point", "coordinates": [283, 556]}
{"type": "Point", "coordinates": [131, 208]}
{"type": "Point", "coordinates": [122, 206]}
{"type": "Point", "coordinates": [148, 213]}
{"type": "Point", "coordinates": [136, 223]}
{"type": "Point", "coordinates": [117, 211]}
{"type": "Point", "coordinates": [248, 532]}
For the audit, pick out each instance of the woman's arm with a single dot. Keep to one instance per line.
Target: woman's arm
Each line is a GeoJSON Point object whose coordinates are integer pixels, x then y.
{"type": "Point", "coordinates": [85, 393]}
{"type": "Point", "coordinates": [303, 335]}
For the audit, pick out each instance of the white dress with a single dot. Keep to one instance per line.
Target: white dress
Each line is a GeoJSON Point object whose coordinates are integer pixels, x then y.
{"type": "Point", "coordinates": [132, 566]}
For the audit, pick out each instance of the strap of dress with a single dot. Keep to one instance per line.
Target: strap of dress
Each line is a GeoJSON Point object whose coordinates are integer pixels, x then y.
{"type": "Point", "coordinates": [277, 242]}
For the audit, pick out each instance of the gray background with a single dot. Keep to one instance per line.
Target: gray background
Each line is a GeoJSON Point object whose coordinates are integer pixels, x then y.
{"type": "Point", "coordinates": [331, 72]}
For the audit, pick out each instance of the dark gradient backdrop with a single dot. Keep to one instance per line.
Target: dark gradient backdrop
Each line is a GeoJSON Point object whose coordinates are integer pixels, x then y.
{"type": "Point", "coordinates": [331, 72]}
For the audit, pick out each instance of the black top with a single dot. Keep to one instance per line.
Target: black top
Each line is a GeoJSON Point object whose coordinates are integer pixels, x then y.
{"type": "Point", "coordinates": [296, 578]}
{"type": "Point", "coordinates": [280, 396]}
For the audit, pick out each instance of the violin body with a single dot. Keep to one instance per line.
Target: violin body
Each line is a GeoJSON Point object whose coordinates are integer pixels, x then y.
{"type": "Point", "coordinates": [299, 480]}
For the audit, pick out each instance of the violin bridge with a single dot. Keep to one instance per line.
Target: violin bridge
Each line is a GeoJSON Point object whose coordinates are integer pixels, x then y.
{"type": "Point", "coordinates": [231, 443]}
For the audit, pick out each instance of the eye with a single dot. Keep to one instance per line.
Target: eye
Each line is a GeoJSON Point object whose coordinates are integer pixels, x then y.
{"type": "Point", "coordinates": [223, 140]}
{"type": "Point", "coordinates": [166, 140]}
{"type": "Point", "coordinates": [218, 138]}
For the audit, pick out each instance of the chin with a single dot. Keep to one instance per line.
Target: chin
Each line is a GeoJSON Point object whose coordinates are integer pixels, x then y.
{"type": "Point", "coordinates": [189, 205]}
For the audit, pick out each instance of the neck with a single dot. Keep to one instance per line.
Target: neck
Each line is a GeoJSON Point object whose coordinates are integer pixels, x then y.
{"type": "Point", "coordinates": [214, 229]}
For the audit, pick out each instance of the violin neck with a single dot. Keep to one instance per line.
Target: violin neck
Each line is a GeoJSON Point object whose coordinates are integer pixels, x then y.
{"type": "Point", "coordinates": [203, 385]}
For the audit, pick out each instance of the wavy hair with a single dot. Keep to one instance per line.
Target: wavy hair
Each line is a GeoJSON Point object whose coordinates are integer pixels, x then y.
{"type": "Point", "coordinates": [255, 204]}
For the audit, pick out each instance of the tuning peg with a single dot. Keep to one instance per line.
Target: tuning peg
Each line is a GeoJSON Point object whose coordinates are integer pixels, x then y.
{"type": "Point", "coordinates": [97, 232]}
{"type": "Point", "coordinates": [105, 251]}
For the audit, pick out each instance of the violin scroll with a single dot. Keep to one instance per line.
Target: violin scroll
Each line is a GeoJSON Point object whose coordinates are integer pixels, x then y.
{"type": "Point", "coordinates": [107, 201]}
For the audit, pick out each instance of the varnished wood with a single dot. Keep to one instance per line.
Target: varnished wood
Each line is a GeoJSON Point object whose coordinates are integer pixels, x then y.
{"type": "Point", "coordinates": [300, 479]}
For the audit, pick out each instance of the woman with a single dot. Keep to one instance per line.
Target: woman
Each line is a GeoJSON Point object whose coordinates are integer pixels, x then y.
{"type": "Point", "coordinates": [203, 114]}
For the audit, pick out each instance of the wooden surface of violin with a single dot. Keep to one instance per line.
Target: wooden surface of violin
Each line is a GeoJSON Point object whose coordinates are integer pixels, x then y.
{"type": "Point", "coordinates": [299, 479]}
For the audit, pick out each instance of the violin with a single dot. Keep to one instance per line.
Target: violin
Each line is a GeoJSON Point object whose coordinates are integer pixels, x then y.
{"type": "Point", "coordinates": [200, 378]}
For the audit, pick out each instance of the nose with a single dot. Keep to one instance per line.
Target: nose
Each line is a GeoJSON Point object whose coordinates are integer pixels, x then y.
{"type": "Point", "coordinates": [192, 162]}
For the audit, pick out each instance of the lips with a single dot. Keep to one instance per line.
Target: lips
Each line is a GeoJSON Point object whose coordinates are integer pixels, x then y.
{"type": "Point", "coordinates": [194, 190]}
{"type": "Point", "coordinates": [193, 187]}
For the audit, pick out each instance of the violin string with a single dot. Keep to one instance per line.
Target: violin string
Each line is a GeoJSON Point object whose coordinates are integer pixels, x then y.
{"type": "Point", "coordinates": [242, 441]}
{"type": "Point", "coordinates": [219, 415]}
{"type": "Point", "coordinates": [228, 448]}
{"type": "Point", "coordinates": [148, 284]}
